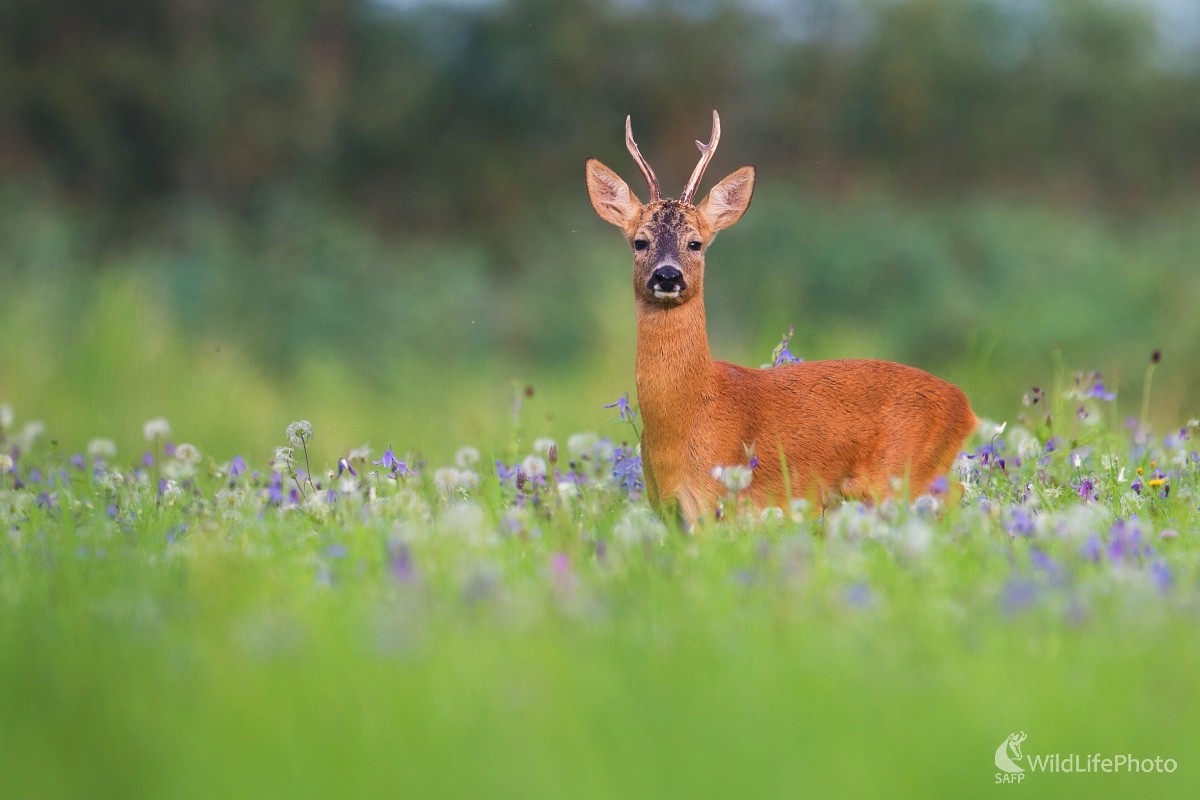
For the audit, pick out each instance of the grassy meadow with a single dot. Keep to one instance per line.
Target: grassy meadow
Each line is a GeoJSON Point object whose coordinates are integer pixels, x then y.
{"type": "Point", "coordinates": [186, 611]}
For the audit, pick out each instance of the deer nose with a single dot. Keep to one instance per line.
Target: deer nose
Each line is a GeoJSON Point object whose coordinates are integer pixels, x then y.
{"type": "Point", "coordinates": [667, 279]}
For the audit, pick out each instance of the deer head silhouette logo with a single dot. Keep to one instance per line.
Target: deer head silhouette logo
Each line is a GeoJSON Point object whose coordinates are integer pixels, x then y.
{"type": "Point", "coordinates": [1012, 743]}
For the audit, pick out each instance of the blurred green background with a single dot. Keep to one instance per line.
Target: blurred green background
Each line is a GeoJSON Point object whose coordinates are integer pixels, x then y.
{"type": "Point", "coordinates": [372, 215]}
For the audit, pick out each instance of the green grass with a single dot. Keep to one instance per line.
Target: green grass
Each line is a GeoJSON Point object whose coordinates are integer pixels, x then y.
{"type": "Point", "coordinates": [425, 642]}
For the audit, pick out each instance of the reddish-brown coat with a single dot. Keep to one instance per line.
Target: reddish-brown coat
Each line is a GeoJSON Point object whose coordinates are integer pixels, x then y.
{"type": "Point", "coordinates": [838, 428]}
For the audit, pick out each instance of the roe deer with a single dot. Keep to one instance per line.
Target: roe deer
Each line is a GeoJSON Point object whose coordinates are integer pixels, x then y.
{"type": "Point", "coordinates": [833, 428]}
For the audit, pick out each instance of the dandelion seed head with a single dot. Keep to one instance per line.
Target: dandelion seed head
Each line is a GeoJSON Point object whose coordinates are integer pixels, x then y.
{"type": "Point", "coordinates": [542, 447]}
{"type": "Point", "coordinates": [101, 448]}
{"type": "Point", "coordinates": [300, 433]}
{"type": "Point", "coordinates": [534, 467]}
{"type": "Point", "coordinates": [6, 417]}
{"type": "Point", "coordinates": [156, 429]}
{"type": "Point", "coordinates": [466, 457]}
{"type": "Point", "coordinates": [6, 463]}
{"type": "Point", "coordinates": [581, 444]}
{"type": "Point", "coordinates": [188, 454]}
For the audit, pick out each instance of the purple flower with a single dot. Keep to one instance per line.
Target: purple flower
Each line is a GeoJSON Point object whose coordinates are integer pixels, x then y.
{"type": "Point", "coordinates": [400, 563]}
{"type": "Point", "coordinates": [147, 459]}
{"type": "Point", "coordinates": [344, 467]}
{"type": "Point", "coordinates": [78, 461]}
{"type": "Point", "coordinates": [859, 595]}
{"type": "Point", "coordinates": [237, 466]}
{"type": "Point", "coordinates": [1097, 391]}
{"type": "Point", "coordinates": [1042, 561]}
{"type": "Point", "coordinates": [1086, 489]}
{"type": "Point", "coordinates": [1125, 541]}
{"type": "Point", "coordinates": [627, 469]}
{"type": "Point", "coordinates": [1160, 573]}
{"type": "Point", "coordinates": [507, 473]}
{"type": "Point", "coordinates": [335, 551]}
{"type": "Point", "coordinates": [275, 489]}
{"type": "Point", "coordinates": [1092, 547]}
{"type": "Point", "coordinates": [623, 407]}
{"type": "Point", "coordinates": [1017, 594]}
{"type": "Point", "coordinates": [398, 467]}
{"type": "Point", "coordinates": [1019, 523]}
{"type": "Point", "coordinates": [782, 354]}
{"type": "Point", "coordinates": [940, 485]}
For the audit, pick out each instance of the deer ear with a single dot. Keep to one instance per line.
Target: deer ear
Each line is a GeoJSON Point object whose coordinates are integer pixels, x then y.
{"type": "Point", "coordinates": [610, 195]}
{"type": "Point", "coordinates": [728, 200]}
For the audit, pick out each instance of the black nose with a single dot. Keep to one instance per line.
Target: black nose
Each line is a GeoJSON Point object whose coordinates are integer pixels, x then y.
{"type": "Point", "coordinates": [667, 279]}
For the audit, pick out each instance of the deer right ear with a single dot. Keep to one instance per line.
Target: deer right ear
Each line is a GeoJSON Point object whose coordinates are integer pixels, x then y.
{"type": "Point", "coordinates": [610, 195]}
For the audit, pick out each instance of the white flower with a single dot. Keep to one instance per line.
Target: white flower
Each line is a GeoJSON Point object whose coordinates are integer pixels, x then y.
{"type": "Point", "coordinates": [29, 435]}
{"type": "Point", "coordinates": [580, 444]}
{"type": "Point", "coordinates": [466, 457]}
{"type": "Point", "coordinates": [446, 478]}
{"type": "Point", "coordinates": [231, 498]}
{"type": "Point", "coordinates": [534, 467]}
{"type": "Point", "coordinates": [171, 492]}
{"type": "Point", "coordinates": [101, 448]}
{"type": "Point", "coordinates": [359, 454]}
{"type": "Point", "coordinates": [568, 489]}
{"type": "Point", "coordinates": [283, 461]}
{"type": "Point", "coordinates": [188, 454]}
{"type": "Point", "coordinates": [6, 417]}
{"type": "Point", "coordinates": [734, 479]}
{"type": "Point", "coordinates": [178, 470]}
{"type": "Point", "coordinates": [156, 429]}
{"type": "Point", "coordinates": [300, 433]}
{"type": "Point", "coordinates": [6, 463]}
{"type": "Point", "coordinates": [542, 447]}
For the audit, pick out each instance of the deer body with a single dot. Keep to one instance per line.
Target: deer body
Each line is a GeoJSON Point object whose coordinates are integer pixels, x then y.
{"type": "Point", "coordinates": [834, 428]}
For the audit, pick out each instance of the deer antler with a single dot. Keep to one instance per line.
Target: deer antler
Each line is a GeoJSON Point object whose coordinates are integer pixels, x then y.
{"type": "Point", "coordinates": [706, 154]}
{"type": "Point", "coordinates": [631, 145]}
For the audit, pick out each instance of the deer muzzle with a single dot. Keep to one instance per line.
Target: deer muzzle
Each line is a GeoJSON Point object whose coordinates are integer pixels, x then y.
{"type": "Point", "coordinates": [666, 282]}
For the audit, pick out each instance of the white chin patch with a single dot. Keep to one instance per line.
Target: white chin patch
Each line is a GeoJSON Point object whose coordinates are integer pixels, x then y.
{"type": "Point", "coordinates": [666, 295]}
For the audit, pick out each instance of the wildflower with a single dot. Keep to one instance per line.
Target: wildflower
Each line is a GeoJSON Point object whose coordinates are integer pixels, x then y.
{"type": "Point", "coordinates": [359, 455]}
{"type": "Point", "coordinates": [156, 429]}
{"type": "Point", "coordinates": [1092, 548]}
{"type": "Point", "coordinates": [751, 455]}
{"type": "Point", "coordinates": [1019, 523]}
{"type": "Point", "coordinates": [389, 461]}
{"type": "Point", "coordinates": [1017, 595]}
{"type": "Point", "coordinates": [1160, 573]}
{"type": "Point", "coordinates": [6, 463]}
{"type": "Point", "coordinates": [101, 448]}
{"type": "Point", "coordinates": [506, 473]}
{"type": "Point", "coordinates": [188, 454]}
{"type": "Point", "coordinates": [466, 457]}
{"type": "Point", "coordinates": [78, 461]}
{"type": "Point", "coordinates": [344, 467]}
{"type": "Point", "coordinates": [237, 466]}
{"type": "Point", "coordinates": [627, 413]}
{"type": "Point", "coordinates": [534, 467]}
{"type": "Point", "coordinates": [627, 469]}
{"type": "Point", "coordinates": [859, 595]}
{"type": "Point", "coordinates": [543, 447]}
{"type": "Point", "coordinates": [781, 354]}
{"type": "Point", "coordinates": [449, 478]}
{"type": "Point", "coordinates": [1086, 489]}
{"type": "Point", "coordinates": [580, 445]}
{"type": "Point", "coordinates": [735, 478]}
{"type": "Point", "coordinates": [6, 417]}
{"type": "Point", "coordinates": [1033, 396]}
{"type": "Point", "coordinates": [400, 563]}
{"type": "Point", "coordinates": [1098, 392]}
{"type": "Point", "coordinates": [283, 460]}
{"type": "Point", "coordinates": [300, 433]}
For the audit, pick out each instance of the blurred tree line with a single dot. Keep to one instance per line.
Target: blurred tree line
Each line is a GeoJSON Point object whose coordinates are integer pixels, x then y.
{"type": "Point", "coordinates": [446, 118]}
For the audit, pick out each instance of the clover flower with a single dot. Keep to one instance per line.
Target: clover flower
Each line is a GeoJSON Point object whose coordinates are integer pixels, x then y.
{"type": "Point", "coordinates": [300, 433]}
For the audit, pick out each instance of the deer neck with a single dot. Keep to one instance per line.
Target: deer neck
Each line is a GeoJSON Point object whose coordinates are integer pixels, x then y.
{"type": "Point", "coordinates": [673, 370]}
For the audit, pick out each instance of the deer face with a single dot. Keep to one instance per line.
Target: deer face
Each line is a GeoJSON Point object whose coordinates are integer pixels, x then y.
{"type": "Point", "coordinates": [669, 237]}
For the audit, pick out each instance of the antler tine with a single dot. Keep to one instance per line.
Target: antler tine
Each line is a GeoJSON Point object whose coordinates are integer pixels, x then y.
{"type": "Point", "coordinates": [706, 154]}
{"type": "Point", "coordinates": [631, 145]}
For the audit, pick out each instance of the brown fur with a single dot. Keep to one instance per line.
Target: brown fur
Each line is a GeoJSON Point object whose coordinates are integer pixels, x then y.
{"type": "Point", "coordinates": [842, 428]}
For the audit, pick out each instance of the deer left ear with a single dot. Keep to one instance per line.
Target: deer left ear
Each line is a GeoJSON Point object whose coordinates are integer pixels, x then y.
{"type": "Point", "coordinates": [728, 200]}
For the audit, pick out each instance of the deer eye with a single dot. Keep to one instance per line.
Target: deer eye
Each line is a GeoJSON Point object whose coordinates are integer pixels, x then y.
{"type": "Point", "coordinates": [695, 246]}
{"type": "Point", "coordinates": [640, 244]}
